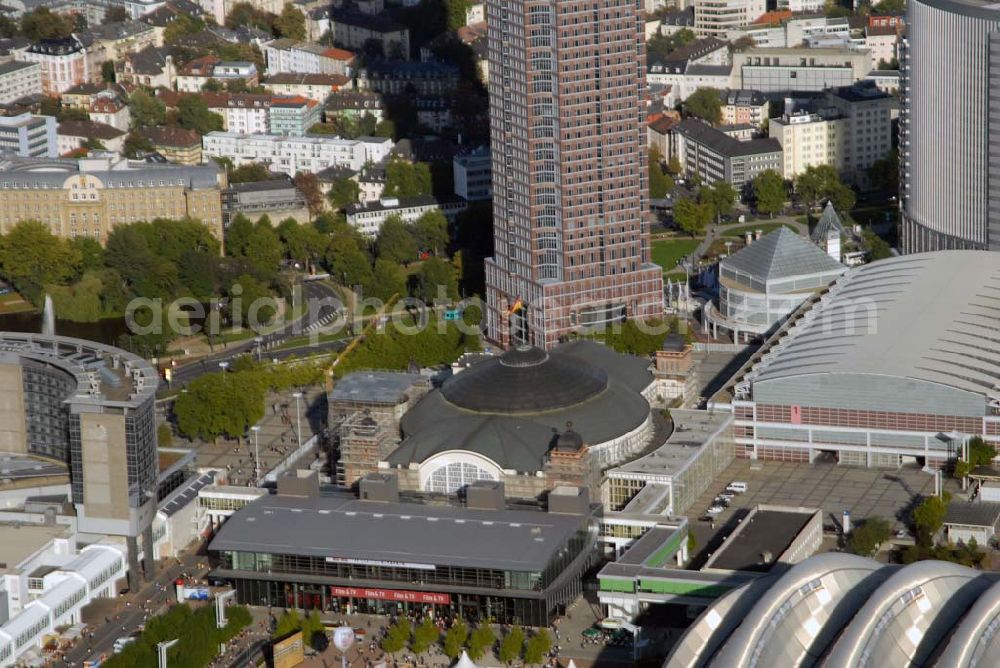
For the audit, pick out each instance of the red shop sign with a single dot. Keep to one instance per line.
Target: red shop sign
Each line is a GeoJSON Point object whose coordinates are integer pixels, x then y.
{"type": "Point", "coordinates": [392, 595]}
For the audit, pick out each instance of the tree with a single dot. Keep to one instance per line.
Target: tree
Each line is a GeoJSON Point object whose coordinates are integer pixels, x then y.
{"type": "Point", "coordinates": [430, 231]}
{"type": "Point", "coordinates": [344, 192]}
{"type": "Point", "coordinates": [397, 637]}
{"type": "Point", "coordinates": [511, 646]}
{"type": "Point", "coordinates": [434, 275]}
{"type": "Point", "coordinates": [288, 622]}
{"type": "Point", "coordinates": [823, 182]}
{"type": "Point", "coordinates": [146, 110]}
{"type": "Point", "coordinates": [424, 635]}
{"type": "Point", "coordinates": [980, 452]}
{"type": "Point", "coordinates": [31, 256]}
{"type": "Point", "coordinates": [254, 308]}
{"type": "Point", "coordinates": [769, 192]}
{"type": "Point", "coordinates": [183, 25]}
{"type": "Point", "coordinates": [842, 196]}
{"type": "Point", "coordinates": [705, 104]}
{"type": "Point", "coordinates": [263, 251]}
{"type": "Point", "coordinates": [387, 280]}
{"type": "Point", "coordinates": [660, 182]}
{"type": "Point", "coordinates": [481, 640]}
{"type": "Point", "coordinates": [347, 262]}
{"type": "Point", "coordinates": [136, 145]}
{"type": "Point", "coordinates": [878, 248]}
{"type": "Point", "coordinates": [405, 179]}
{"type": "Point", "coordinates": [91, 253]}
{"type": "Point", "coordinates": [42, 23]}
{"type": "Point", "coordinates": [291, 23]}
{"type": "Point", "coordinates": [868, 536]}
{"type": "Point", "coordinates": [108, 71]}
{"type": "Point", "coordinates": [215, 405]}
{"type": "Point", "coordinates": [245, 14]}
{"type": "Point", "coordinates": [193, 114]}
{"type": "Point", "coordinates": [691, 216]}
{"type": "Point", "coordinates": [719, 197]}
{"type": "Point", "coordinates": [537, 647]}
{"type": "Point", "coordinates": [928, 518]}
{"type": "Point", "coordinates": [455, 638]}
{"type": "Point", "coordinates": [456, 12]}
{"type": "Point", "coordinates": [394, 242]}
{"type": "Point", "coordinates": [307, 183]}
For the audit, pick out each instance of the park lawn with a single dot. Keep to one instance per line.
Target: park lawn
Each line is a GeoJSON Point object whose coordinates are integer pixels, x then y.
{"type": "Point", "coordinates": [668, 252]}
{"type": "Point", "coordinates": [767, 228]}
{"type": "Point", "coordinates": [306, 339]}
{"type": "Point", "coordinates": [14, 303]}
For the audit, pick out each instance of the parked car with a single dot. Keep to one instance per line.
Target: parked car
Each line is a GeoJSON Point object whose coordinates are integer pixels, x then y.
{"type": "Point", "coordinates": [715, 510]}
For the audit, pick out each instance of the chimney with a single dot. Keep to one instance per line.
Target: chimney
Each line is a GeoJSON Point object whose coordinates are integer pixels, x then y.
{"type": "Point", "coordinates": [749, 238]}
{"type": "Point", "coordinates": [569, 500]}
{"type": "Point", "coordinates": [758, 234]}
{"type": "Point", "coordinates": [301, 482]}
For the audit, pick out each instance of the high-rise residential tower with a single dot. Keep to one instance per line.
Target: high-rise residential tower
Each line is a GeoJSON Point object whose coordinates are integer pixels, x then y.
{"type": "Point", "coordinates": [569, 169]}
{"type": "Point", "coordinates": [950, 126]}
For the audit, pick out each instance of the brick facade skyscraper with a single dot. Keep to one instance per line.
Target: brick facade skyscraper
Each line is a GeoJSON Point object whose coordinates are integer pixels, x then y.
{"type": "Point", "coordinates": [569, 169]}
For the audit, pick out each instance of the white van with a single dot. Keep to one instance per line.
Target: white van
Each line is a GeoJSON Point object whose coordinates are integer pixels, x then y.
{"type": "Point", "coordinates": [736, 486]}
{"type": "Point", "coordinates": [120, 643]}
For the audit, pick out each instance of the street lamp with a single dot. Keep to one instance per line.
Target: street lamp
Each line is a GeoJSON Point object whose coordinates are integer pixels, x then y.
{"type": "Point", "coordinates": [220, 607]}
{"type": "Point", "coordinates": [259, 340]}
{"type": "Point", "coordinates": [161, 651]}
{"type": "Point", "coordinates": [223, 365]}
{"type": "Point", "coordinates": [298, 418]}
{"type": "Point", "coordinates": [256, 450]}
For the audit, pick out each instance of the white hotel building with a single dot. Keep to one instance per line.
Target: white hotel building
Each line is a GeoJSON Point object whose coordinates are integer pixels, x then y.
{"type": "Point", "coordinates": [296, 154]}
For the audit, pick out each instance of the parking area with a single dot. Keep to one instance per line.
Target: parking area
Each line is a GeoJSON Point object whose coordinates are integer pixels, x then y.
{"type": "Point", "coordinates": [890, 494]}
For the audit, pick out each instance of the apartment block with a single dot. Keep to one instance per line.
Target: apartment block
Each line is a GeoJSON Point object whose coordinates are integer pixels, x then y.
{"type": "Point", "coordinates": [291, 155]}
{"type": "Point", "coordinates": [293, 116]}
{"type": "Point", "coordinates": [799, 69]}
{"type": "Point", "coordinates": [289, 55]}
{"type": "Point", "coordinates": [719, 17]}
{"type": "Point", "coordinates": [64, 63]}
{"type": "Point", "coordinates": [19, 80]}
{"type": "Point", "coordinates": [316, 87]}
{"type": "Point", "coordinates": [27, 136]}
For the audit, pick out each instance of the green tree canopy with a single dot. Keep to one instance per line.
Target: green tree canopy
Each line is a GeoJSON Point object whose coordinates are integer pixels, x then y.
{"type": "Point", "coordinates": [720, 197]}
{"type": "Point", "coordinates": [455, 638]}
{"type": "Point", "coordinates": [430, 232]}
{"type": "Point", "coordinates": [691, 216]}
{"type": "Point", "coordinates": [347, 262]}
{"type": "Point", "coordinates": [929, 516]}
{"type": "Point", "coordinates": [705, 104]}
{"type": "Point", "coordinates": [31, 256]}
{"type": "Point", "coordinates": [183, 25]}
{"type": "Point", "coordinates": [868, 536]}
{"type": "Point", "coordinates": [425, 635]}
{"type": "Point", "coordinates": [43, 23]}
{"type": "Point", "coordinates": [397, 637]}
{"type": "Point", "coordinates": [481, 640]}
{"type": "Point", "coordinates": [251, 171]}
{"type": "Point", "coordinates": [291, 23]}
{"type": "Point", "coordinates": [395, 242]}
{"type": "Point", "coordinates": [146, 110]}
{"type": "Point", "coordinates": [405, 179]}
{"type": "Point", "coordinates": [660, 182]}
{"type": "Point", "coordinates": [435, 274]}
{"type": "Point", "coordinates": [769, 192]}
{"type": "Point", "coordinates": [512, 646]}
{"type": "Point", "coordinates": [193, 114]}
{"type": "Point", "coordinates": [217, 405]}
{"type": "Point", "coordinates": [343, 193]}
{"type": "Point", "coordinates": [388, 279]}
{"type": "Point", "coordinates": [536, 648]}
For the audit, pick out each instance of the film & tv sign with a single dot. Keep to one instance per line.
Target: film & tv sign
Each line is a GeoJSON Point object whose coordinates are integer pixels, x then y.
{"type": "Point", "coordinates": [392, 595]}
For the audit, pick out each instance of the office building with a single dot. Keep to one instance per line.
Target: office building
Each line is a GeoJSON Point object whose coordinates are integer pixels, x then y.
{"type": "Point", "coordinates": [29, 136]}
{"type": "Point", "coordinates": [799, 69]}
{"type": "Point", "coordinates": [88, 197]}
{"type": "Point", "coordinates": [889, 366]}
{"type": "Point", "coordinates": [719, 17]}
{"type": "Point", "coordinates": [369, 216]}
{"type": "Point", "coordinates": [473, 175]}
{"type": "Point", "coordinates": [713, 155]}
{"type": "Point", "coordinates": [91, 406]}
{"type": "Point", "coordinates": [572, 246]}
{"type": "Point", "coordinates": [842, 610]}
{"type": "Point", "coordinates": [950, 126]}
{"type": "Point", "coordinates": [19, 80]}
{"type": "Point", "coordinates": [277, 199]}
{"type": "Point", "coordinates": [291, 155]}
{"type": "Point", "coordinates": [378, 555]}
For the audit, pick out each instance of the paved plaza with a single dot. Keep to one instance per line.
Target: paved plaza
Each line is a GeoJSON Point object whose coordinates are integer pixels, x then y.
{"type": "Point", "coordinates": [276, 440]}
